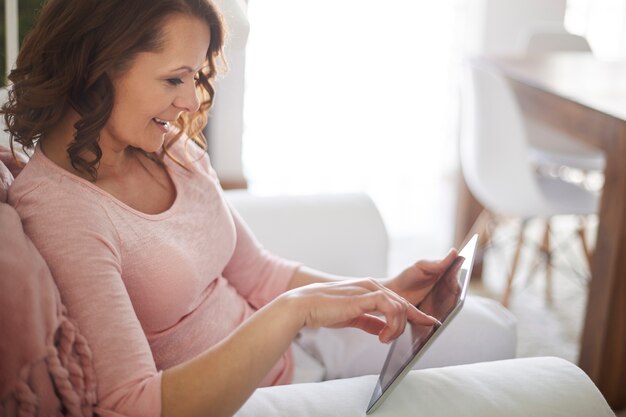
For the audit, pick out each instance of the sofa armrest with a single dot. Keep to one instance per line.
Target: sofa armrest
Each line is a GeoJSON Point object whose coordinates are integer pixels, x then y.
{"type": "Point", "coordinates": [546, 387]}
{"type": "Point", "coordinates": [337, 233]}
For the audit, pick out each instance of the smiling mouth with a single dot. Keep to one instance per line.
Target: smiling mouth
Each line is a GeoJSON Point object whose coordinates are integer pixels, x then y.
{"type": "Point", "coordinates": [164, 123]}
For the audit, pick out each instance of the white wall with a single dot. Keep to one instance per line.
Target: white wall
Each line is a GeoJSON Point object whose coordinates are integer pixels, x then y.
{"type": "Point", "coordinates": [494, 27]}
{"type": "Point", "coordinates": [225, 129]}
{"type": "Point", "coordinates": [11, 32]}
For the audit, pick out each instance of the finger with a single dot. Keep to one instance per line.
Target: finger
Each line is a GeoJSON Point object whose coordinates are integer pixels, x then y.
{"type": "Point", "coordinates": [399, 321]}
{"type": "Point", "coordinates": [400, 307]}
{"type": "Point", "coordinates": [375, 285]}
{"type": "Point", "coordinates": [396, 310]}
{"type": "Point", "coordinates": [414, 315]}
{"type": "Point", "coordinates": [440, 265]}
{"type": "Point", "coordinates": [368, 323]}
{"type": "Point", "coordinates": [380, 301]}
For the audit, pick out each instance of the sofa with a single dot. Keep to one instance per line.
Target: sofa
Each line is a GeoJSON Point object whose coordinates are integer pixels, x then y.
{"type": "Point", "coordinates": [45, 362]}
{"type": "Point", "coordinates": [346, 235]}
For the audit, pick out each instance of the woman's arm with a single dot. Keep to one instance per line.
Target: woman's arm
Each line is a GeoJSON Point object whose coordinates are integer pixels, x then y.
{"type": "Point", "coordinates": [219, 381]}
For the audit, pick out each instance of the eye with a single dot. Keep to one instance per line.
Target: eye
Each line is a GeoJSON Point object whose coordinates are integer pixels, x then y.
{"type": "Point", "coordinates": [175, 81]}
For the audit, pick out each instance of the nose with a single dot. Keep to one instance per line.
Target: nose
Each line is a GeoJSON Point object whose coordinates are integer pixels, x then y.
{"type": "Point", "coordinates": [188, 100]}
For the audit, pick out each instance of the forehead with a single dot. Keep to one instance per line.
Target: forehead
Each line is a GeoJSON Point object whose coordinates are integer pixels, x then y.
{"type": "Point", "coordinates": [185, 43]}
{"type": "Point", "coordinates": [184, 31]}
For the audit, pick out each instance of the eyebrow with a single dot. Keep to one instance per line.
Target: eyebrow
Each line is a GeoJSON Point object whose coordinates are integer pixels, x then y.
{"type": "Point", "coordinates": [187, 69]}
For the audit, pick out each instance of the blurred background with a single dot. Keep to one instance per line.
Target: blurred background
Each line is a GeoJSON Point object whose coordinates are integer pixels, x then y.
{"type": "Point", "coordinates": [353, 96]}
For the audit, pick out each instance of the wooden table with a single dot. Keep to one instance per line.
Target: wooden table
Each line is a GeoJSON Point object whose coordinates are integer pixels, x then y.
{"type": "Point", "coordinates": [586, 99]}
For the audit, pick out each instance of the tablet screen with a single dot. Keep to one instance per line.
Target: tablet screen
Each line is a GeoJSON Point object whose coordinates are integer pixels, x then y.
{"type": "Point", "coordinates": [441, 302]}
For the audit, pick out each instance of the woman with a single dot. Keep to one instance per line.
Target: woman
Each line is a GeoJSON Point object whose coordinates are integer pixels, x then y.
{"type": "Point", "coordinates": [183, 310]}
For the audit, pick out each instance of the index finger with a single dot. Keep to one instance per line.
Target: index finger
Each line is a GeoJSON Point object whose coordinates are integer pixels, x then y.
{"type": "Point", "coordinates": [415, 315]}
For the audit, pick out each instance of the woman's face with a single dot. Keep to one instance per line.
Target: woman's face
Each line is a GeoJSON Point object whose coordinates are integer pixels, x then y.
{"type": "Point", "coordinates": [158, 87]}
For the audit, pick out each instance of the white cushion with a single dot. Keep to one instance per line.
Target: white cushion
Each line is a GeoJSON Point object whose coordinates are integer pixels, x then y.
{"type": "Point", "coordinates": [4, 136]}
{"type": "Point", "coordinates": [342, 234]}
{"type": "Point", "coordinates": [543, 387]}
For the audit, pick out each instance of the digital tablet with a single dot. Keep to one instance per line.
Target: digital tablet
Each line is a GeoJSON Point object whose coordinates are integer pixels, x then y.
{"type": "Point", "coordinates": [442, 302]}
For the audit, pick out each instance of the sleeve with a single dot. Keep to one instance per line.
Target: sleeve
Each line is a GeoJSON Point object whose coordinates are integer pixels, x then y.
{"type": "Point", "coordinates": [83, 251]}
{"type": "Point", "coordinates": [256, 274]}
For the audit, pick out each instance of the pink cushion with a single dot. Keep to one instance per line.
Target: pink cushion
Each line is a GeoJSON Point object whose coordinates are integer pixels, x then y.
{"type": "Point", "coordinates": [9, 169]}
{"type": "Point", "coordinates": [13, 163]}
{"type": "Point", "coordinates": [45, 363]}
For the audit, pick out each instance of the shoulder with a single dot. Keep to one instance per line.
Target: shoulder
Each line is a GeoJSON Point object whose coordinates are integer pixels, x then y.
{"type": "Point", "coordinates": [52, 204]}
{"type": "Point", "coordinates": [42, 183]}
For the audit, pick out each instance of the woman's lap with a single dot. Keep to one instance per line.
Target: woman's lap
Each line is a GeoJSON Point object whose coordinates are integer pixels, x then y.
{"type": "Point", "coordinates": [482, 331]}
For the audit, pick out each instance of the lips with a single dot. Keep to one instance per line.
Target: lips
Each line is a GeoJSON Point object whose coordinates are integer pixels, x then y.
{"type": "Point", "coordinates": [163, 124]}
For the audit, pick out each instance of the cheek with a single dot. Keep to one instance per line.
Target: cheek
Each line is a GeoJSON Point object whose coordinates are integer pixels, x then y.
{"type": "Point", "coordinates": [135, 107]}
{"type": "Point", "coordinates": [132, 114]}
{"type": "Point", "coordinates": [125, 127]}
{"type": "Point", "coordinates": [122, 121]}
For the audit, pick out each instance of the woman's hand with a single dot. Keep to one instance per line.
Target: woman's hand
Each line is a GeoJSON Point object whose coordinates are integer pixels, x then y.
{"type": "Point", "coordinates": [354, 303]}
{"type": "Point", "coordinates": [414, 282]}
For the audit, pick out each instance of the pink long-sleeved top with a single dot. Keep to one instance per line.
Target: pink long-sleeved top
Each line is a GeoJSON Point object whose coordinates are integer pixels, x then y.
{"type": "Point", "coordinates": [148, 291]}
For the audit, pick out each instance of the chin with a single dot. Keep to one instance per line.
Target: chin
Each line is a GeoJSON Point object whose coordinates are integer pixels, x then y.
{"type": "Point", "coordinates": [153, 145]}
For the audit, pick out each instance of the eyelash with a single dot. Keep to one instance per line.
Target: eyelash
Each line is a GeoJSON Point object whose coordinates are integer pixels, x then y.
{"type": "Point", "coordinates": [175, 81]}
{"type": "Point", "coordinates": [178, 81]}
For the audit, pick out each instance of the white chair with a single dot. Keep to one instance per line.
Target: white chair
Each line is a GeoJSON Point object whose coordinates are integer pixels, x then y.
{"type": "Point", "coordinates": [548, 38]}
{"type": "Point", "coordinates": [549, 147]}
{"type": "Point", "coordinates": [496, 167]}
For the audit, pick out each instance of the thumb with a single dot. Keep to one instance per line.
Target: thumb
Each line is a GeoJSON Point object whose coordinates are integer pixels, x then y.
{"type": "Point", "coordinates": [437, 266]}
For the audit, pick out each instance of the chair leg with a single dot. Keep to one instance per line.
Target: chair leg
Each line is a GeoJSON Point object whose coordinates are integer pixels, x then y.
{"type": "Point", "coordinates": [506, 297]}
{"type": "Point", "coordinates": [545, 248]}
{"type": "Point", "coordinates": [582, 226]}
{"type": "Point", "coordinates": [538, 260]}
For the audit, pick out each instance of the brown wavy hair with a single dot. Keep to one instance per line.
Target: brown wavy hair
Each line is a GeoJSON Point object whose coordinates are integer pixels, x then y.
{"type": "Point", "coordinates": [69, 58]}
